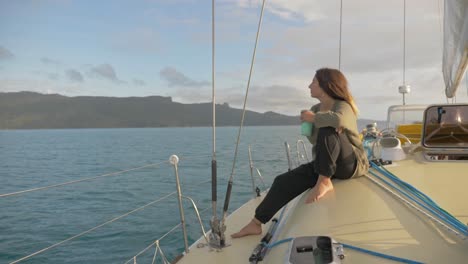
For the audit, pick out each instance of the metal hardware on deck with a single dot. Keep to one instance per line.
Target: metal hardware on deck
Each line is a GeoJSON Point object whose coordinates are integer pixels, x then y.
{"type": "Point", "coordinates": [257, 190]}
{"type": "Point", "coordinates": [157, 250]}
{"type": "Point", "coordinates": [174, 160]}
{"type": "Point", "coordinates": [217, 237]}
{"type": "Point", "coordinates": [260, 250]}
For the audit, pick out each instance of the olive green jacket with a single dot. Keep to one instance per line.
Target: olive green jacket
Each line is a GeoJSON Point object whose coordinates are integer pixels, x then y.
{"type": "Point", "coordinates": [341, 116]}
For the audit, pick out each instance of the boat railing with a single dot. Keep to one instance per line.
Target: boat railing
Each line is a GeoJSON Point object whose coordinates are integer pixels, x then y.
{"type": "Point", "coordinates": [405, 114]}
{"type": "Point", "coordinates": [161, 199]}
{"type": "Point", "coordinates": [255, 189]}
{"type": "Point", "coordinates": [156, 244]}
{"type": "Point", "coordinates": [301, 156]}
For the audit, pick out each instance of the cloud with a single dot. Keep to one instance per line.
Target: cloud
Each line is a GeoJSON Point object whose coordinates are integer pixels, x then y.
{"type": "Point", "coordinates": [138, 82]}
{"type": "Point", "coordinates": [74, 75]}
{"type": "Point", "coordinates": [298, 37]}
{"type": "Point", "coordinates": [144, 40]}
{"type": "Point", "coordinates": [277, 98]}
{"type": "Point", "coordinates": [178, 79]}
{"type": "Point", "coordinates": [48, 61]}
{"type": "Point", "coordinates": [290, 10]}
{"type": "Point", "coordinates": [53, 76]}
{"type": "Point", "coordinates": [5, 54]}
{"type": "Point", "coordinates": [105, 71]}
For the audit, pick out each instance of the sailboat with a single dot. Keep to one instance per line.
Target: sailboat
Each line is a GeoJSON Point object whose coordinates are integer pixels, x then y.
{"type": "Point", "coordinates": [411, 206]}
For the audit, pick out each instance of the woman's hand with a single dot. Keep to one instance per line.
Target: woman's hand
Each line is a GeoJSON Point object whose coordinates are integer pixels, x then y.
{"type": "Point", "coordinates": [307, 116]}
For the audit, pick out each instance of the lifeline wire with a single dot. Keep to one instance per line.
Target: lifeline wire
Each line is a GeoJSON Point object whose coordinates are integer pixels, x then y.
{"type": "Point", "coordinates": [92, 229]}
{"type": "Point", "coordinates": [159, 239]}
{"type": "Point", "coordinates": [77, 181]}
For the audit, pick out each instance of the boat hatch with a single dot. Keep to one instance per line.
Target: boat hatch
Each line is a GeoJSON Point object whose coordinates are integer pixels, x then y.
{"type": "Point", "coordinates": [445, 132]}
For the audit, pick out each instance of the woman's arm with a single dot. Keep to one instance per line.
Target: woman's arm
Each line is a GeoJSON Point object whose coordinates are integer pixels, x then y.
{"type": "Point", "coordinates": [339, 117]}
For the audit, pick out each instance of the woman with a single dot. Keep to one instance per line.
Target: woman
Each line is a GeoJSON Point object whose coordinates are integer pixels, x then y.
{"type": "Point", "coordinates": [337, 149]}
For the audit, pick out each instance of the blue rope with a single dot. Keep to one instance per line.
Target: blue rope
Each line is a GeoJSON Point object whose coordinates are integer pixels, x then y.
{"type": "Point", "coordinates": [444, 217]}
{"type": "Point", "coordinates": [429, 204]}
{"type": "Point", "coordinates": [378, 254]}
{"type": "Point", "coordinates": [422, 196]}
{"type": "Point", "coordinates": [409, 187]}
{"type": "Point", "coordinates": [419, 194]}
{"type": "Point", "coordinates": [279, 242]}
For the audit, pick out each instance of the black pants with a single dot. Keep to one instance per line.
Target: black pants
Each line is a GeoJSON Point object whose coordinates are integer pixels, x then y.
{"type": "Point", "coordinates": [334, 158]}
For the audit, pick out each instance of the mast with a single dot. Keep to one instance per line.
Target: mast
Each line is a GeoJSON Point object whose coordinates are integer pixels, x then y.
{"type": "Point", "coordinates": [213, 161]}
{"type": "Point", "coordinates": [404, 89]}
{"type": "Point", "coordinates": [217, 235]}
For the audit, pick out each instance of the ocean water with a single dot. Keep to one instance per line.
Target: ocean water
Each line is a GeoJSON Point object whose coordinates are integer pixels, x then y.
{"type": "Point", "coordinates": [35, 220]}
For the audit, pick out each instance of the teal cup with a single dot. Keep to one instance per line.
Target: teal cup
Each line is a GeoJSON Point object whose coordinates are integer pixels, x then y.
{"type": "Point", "coordinates": [306, 129]}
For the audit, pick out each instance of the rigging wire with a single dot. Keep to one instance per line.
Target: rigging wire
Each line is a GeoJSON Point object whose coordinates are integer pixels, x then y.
{"type": "Point", "coordinates": [440, 24]}
{"type": "Point", "coordinates": [213, 75]}
{"type": "Point", "coordinates": [81, 180]}
{"type": "Point", "coordinates": [341, 26]}
{"type": "Point", "coordinates": [404, 42]}
{"type": "Point", "coordinates": [214, 194]}
{"type": "Point", "coordinates": [229, 188]}
{"type": "Point", "coordinates": [92, 229]}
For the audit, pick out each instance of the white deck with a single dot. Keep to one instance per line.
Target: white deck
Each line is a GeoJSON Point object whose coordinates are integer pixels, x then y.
{"type": "Point", "coordinates": [360, 213]}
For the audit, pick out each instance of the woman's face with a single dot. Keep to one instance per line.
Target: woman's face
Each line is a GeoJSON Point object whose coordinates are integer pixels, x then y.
{"type": "Point", "coordinates": [315, 89]}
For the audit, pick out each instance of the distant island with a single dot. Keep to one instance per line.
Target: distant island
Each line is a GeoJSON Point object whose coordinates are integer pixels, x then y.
{"type": "Point", "coordinates": [30, 110]}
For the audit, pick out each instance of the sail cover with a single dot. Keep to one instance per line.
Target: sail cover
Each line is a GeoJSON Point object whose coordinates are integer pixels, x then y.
{"type": "Point", "coordinates": [455, 57]}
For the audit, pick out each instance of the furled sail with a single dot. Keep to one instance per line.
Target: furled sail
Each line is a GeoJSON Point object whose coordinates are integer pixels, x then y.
{"type": "Point", "coordinates": [455, 57]}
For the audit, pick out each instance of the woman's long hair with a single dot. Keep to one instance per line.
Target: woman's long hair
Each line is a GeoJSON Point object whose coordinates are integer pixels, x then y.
{"type": "Point", "coordinates": [334, 83]}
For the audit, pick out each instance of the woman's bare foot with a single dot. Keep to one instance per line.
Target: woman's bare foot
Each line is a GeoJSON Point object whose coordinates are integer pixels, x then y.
{"type": "Point", "coordinates": [323, 185]}
{"type": "Point", "coordinates": [254, 227]}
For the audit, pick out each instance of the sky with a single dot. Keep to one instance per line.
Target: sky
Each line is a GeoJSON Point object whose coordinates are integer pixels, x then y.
{"type": "Point", "coordinates": [164, 47]}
